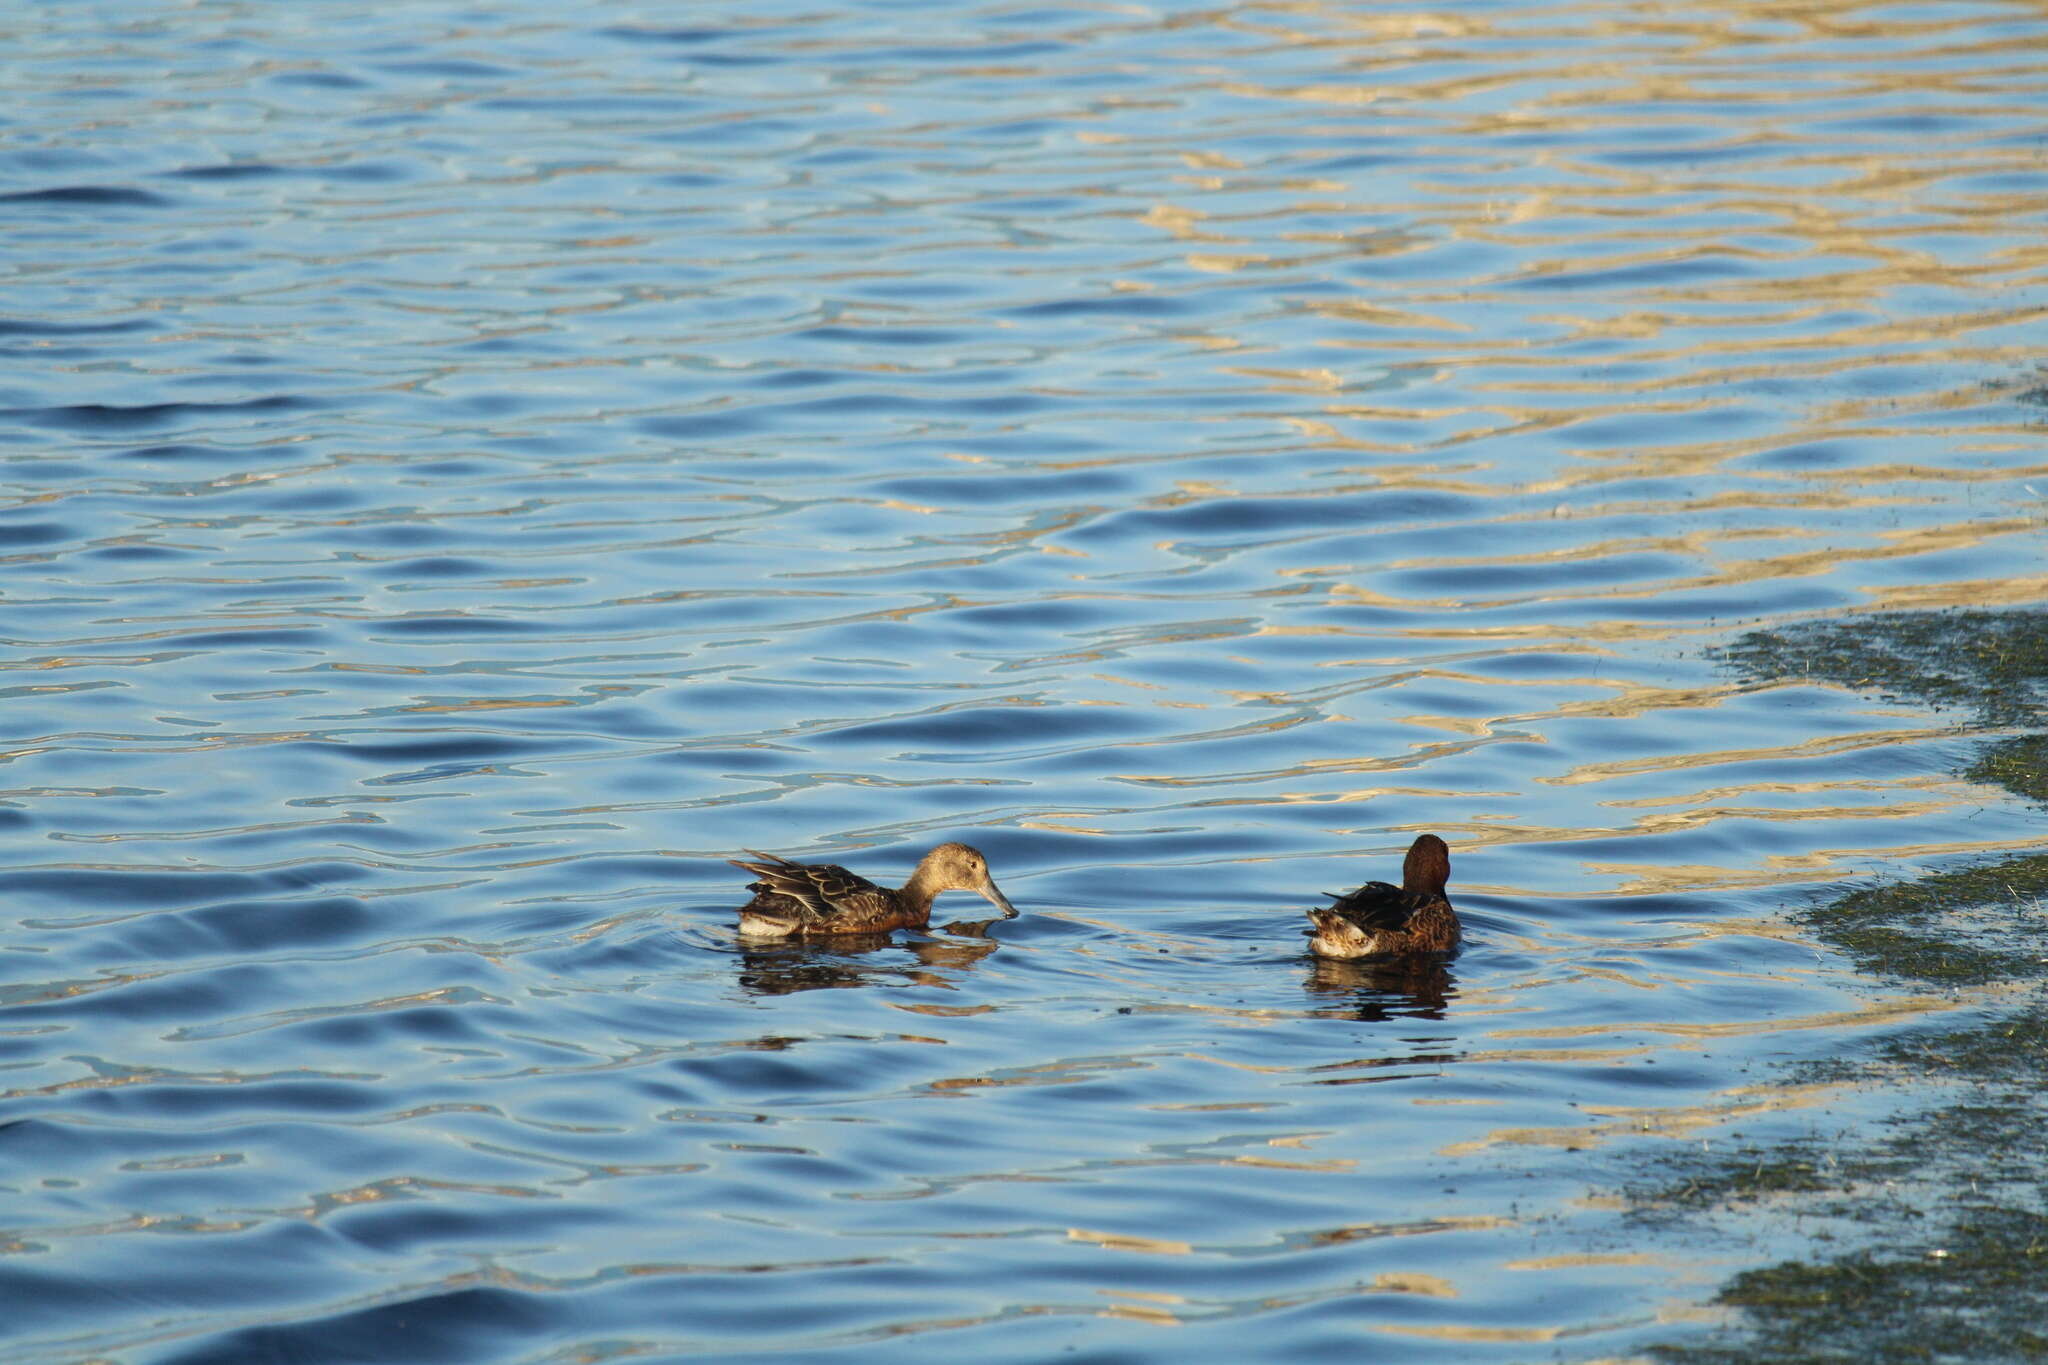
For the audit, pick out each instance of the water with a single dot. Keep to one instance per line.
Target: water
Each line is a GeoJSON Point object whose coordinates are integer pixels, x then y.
{"type": "Point", "coordinates": [472, 469]}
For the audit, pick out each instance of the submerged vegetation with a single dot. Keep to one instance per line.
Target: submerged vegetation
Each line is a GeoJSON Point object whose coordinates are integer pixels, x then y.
{"type": "Point", "coordinates": [1975, 1297]}
{"type": "Point", "coordinates": [1944, 1211]}
{"type": "Point", "coordinates": [1994, 663]}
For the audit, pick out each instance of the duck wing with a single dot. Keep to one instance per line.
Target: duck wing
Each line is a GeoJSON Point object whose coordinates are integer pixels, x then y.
{"type": "Point", "coordinates": [1376, 906]}
{"type": "Point", "coordinates": [811, 892]}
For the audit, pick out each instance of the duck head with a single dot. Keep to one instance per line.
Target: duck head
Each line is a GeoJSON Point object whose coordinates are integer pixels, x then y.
{"type": "Point", "coordinates": [1427, 868]}
{"type": "Point", "coordinates": [956, 867]}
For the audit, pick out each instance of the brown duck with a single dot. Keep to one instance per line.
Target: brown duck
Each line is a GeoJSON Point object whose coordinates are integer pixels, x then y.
{"type": "Point", "coordinates": [819, 900]}
{"type": "Point", "coordinates": [1378, 920]}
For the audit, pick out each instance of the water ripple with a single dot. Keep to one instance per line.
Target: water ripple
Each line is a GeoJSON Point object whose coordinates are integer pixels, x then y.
{"type": "Point", "coordinates": [473, 470]}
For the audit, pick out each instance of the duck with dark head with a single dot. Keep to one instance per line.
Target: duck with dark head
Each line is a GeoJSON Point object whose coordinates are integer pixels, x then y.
{"type": "Point", "coordinates": [1378, 920]}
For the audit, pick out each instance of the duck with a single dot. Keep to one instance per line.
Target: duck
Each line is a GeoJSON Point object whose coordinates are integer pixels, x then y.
{"type": "Point", "coordinates": [1378, 920]}
{"type": "Point", "coordinates": [824, 900]}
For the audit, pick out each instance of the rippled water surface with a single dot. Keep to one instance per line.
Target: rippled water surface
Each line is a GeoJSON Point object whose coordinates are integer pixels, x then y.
{"type": "Point", "coordinates": [469, 470]}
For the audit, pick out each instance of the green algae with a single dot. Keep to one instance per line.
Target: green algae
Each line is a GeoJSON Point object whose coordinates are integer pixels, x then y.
{"type": "Point", "coordinates": [1737, 1176]}
{"type": "Point", "coordinates": [1965, 926]}
{"type": "Point", "coordinates": [1993, 663]}
{"type": "Point", "coordinates": [1970, 925]}
{"type": "Point", "coordinates": [1952, 1263]}
{"type": "Point", "coordinates": [2010, 1047]}
{"type": "Point", "coordinates": [2020, 765]}
{"type": "Point", "coordinates": [1975, 1297]}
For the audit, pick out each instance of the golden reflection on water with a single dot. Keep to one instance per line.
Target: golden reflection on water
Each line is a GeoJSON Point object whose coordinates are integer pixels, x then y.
{"type": "Point", "coordinates": [1684, 1121]}
{"type": "Point", "coordinates": [1815, 787]}
{"type": "Point", "coordinates": [1456, 1332]}
{"type": "Point", "coordinates": [1138, 1312]}
{"type": "Point", "coordinates": [1412, 1282]}
{"type": "Point", "coordinates": [1582, 1259]}
{"type": "Point", "coordinates": [1110, 1241]}
{"type": "Point", "coordinates": [1830, 745]}
{"type": "Point", "coordinates": [1885, 1011]}
{"type": "Point", "coordinates": [1789, 870]}
{"type": "Point", "coordinates": [1998, 592]}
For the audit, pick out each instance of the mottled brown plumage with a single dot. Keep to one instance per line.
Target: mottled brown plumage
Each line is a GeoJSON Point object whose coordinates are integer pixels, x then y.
{"type": "Point", "coordinates": [1378, 920]}
{"type": "Point", "coordinates": [819, 900]}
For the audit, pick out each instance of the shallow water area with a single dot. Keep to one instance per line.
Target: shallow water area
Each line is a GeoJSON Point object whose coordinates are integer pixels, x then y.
{"type": "Point", "coordinates": [471, 470]}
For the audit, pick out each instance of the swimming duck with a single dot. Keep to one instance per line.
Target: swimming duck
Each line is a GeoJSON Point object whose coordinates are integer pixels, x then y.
{"type": "Point", "coordinates": [817, 900]}
{"type": "Point", "coordinates": [1378, 920]}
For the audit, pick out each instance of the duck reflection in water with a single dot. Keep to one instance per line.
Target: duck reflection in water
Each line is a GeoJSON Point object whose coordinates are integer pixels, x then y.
{"type": "Point", "coordinates": [1372, 989]}
{"type": "Point", "coordinates": [785, 967]}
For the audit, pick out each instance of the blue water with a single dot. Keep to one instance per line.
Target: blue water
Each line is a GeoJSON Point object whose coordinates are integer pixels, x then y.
{"type": "Point", "coordinates": [470, 470]}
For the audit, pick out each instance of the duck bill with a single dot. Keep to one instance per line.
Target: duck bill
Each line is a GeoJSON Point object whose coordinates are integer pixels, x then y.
{"type": "Point", "coordinates": [998, 899]}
